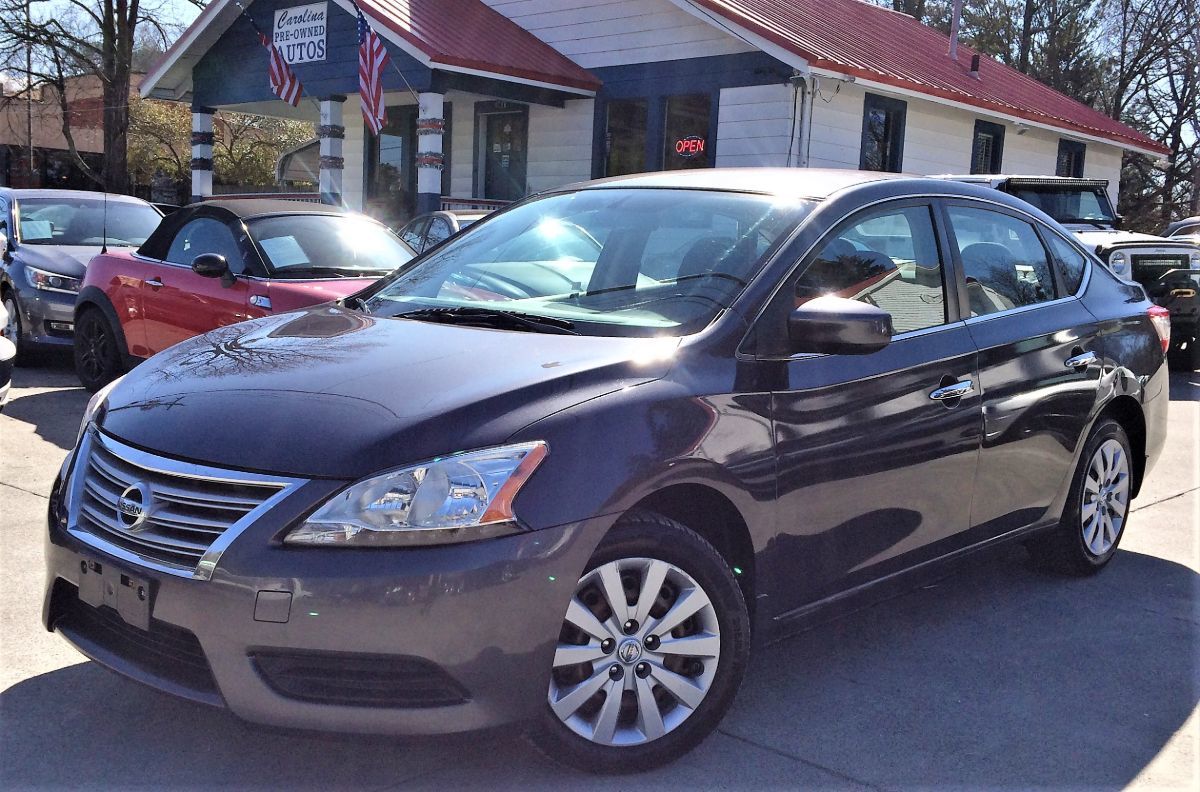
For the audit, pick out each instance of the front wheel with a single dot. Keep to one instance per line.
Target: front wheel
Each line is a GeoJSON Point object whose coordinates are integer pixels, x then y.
{"type": "Point", "coordinates": [652, 650]}
{"type": "Point", "coordinates": [97, 358]}
{"type": "Point", "coordinates": [1097, 508]}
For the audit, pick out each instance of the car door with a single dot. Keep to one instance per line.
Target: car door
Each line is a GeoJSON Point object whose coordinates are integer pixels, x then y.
{"type": "Point", "coordinates": [876, 453]}
{"type": "Point", "coordinates": [1039, 363]}
{"type": "Point", "coordinates": [438, 231]}
{"type": "Point", "coordinates": [178, 303]}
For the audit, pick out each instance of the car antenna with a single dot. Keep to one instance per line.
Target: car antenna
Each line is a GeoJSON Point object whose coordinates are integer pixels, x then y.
{"type": "Point", "coordinates": [104, 223]}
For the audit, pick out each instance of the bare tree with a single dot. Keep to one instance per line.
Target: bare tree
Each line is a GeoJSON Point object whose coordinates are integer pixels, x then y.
{"type": "Point", "coordinates": [82, 37]}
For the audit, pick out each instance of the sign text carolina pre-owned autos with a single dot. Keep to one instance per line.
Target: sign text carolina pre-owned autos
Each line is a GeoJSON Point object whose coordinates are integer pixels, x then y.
{"type": "Point", "coordinates": [299, 32]}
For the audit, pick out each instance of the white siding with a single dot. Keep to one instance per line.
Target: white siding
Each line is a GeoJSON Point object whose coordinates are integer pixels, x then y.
{"type": "Point", "coordinates": [597, 33]}
{"type": "Point", "coordinates": [354, 183]}
{"type": "Point", "coordinates": [560, 144]}
{"type": "Point", "coordinates": [937, 139]}
{"type": "Point", "coordinates": [754, 125]}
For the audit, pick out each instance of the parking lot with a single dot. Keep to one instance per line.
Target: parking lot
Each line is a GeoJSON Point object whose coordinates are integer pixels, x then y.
{"type": "Point", "coordinates": [995, 676]}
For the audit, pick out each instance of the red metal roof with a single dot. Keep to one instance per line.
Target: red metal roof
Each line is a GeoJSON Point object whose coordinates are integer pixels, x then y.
{"type": "Point", "coordinates": [470, 35]}
{"type": "Point", "coordinates": [881, 45]}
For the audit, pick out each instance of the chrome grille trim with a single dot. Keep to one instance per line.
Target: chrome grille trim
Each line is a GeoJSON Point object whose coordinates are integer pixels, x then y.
{"type": "Point", "coordinates": [196, 511]}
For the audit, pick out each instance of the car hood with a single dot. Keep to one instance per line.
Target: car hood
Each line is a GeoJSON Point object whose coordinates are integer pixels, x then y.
{"type": "Point", "coordinates": [69, 260]}
{"type": "Point", "coordinates": [330, 392]}
{"type": "Point", "coordinates": [1111, 238]}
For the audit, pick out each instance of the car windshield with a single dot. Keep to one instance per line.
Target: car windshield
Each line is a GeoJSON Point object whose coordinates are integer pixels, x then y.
{"type": "Point", "coordinates": [602, 261]}
{"type": "Point", "coordinates": [1069, 204]}
{"type": "Point", "coordinates": [300, 245]}
{"type": "Point", "coordinates": [85, 221]}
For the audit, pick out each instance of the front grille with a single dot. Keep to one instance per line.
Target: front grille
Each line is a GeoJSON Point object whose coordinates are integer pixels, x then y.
{"type": "Point", "coordinates": [1160, 262]}
{"type": "Point", "coordinates": [164, 651]}
{"type": "Point", "coordinates": [358, 680]}
{"type": "Point", "coordinates": [188, 513]}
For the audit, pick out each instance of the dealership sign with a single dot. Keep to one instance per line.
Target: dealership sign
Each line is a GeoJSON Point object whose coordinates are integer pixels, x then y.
{"type": "Point", "coordinates": [299, 33]}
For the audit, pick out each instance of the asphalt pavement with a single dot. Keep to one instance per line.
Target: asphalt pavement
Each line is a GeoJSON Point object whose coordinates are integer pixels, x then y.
{"type": "Point", "coordinates": [997, 676]}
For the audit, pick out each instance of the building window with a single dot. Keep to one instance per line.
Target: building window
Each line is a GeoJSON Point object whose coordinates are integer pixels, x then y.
{"type": "Point", "coordinates": [987, 149]}
{"type": "Point", "coordinates": [882, 134]}
{"type": "Point", "coordinates": [1070, 158]}
{"type": "Point", "coordinates": [625, 137]}
{"type": "Point", "coordinates": [686, 132]}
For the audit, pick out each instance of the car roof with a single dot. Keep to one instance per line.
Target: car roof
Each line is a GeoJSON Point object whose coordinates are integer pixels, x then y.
{"type": "Point", "coordinates": [19, 193]}
{"type": "Point", "coordinates": [813, 183]}
{"type": "Point", "coordinates": [255, 207]}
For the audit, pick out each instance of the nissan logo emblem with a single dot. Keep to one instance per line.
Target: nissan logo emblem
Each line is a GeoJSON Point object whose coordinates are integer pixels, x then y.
{"type": "Point", "coordinates": [133, 507]}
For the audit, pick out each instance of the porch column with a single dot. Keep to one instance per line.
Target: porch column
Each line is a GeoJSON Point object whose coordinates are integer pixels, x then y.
{"type": "Point", "coordinates": [202, 152]}
{"type": "Point", "coordinates": [431, 123]}
{"type": "Point", "coordinates": [331, 132]}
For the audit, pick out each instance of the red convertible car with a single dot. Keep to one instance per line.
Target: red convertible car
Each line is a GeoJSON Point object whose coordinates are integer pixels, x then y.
{"type": "Point", "coordinates": [220, 262]}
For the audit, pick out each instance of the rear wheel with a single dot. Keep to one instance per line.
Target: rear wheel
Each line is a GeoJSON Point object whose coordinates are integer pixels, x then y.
{"type": "Point", "coordinates": [1097, 509]}
{"type": "Point", "coordinates": [652, 649]}
{"type": "Point", "coordinates": [97, 357]}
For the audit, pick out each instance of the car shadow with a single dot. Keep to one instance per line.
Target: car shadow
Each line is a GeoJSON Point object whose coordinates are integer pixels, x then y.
{"type": "Point", "coordinates": [53, 414]}
{"type": "Point", "coordinates": [997, 676]}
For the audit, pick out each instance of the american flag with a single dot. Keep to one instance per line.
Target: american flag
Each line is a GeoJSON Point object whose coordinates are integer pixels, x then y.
{"type": "Point", "coordinates": [284, 82]}
{"type": "Point", "coordinates": [372, 59]}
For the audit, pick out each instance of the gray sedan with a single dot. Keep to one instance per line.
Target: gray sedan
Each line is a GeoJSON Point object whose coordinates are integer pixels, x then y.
{"type": "Point", "coordinates": [47, 238]}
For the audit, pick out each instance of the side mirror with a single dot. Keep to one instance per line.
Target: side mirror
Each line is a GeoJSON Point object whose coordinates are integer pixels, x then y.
{"type": "Point", "coordinates": [838, 326]}
{"type": "Point", "coordinates": [213, 265]}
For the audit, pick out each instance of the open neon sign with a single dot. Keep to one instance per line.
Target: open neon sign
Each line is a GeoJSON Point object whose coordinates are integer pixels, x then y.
{"type": "Point", "coordinates": [689, 147]}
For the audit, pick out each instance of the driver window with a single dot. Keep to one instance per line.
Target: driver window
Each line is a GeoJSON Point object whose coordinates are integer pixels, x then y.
{"type": "Point", "coordinates": [888, 258]}
{"type": "Point", "coordinates": [206, 235]}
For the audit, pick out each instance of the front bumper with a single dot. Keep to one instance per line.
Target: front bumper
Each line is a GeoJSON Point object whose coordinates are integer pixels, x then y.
{"type": "Point", "coordinates": [47, 318]}
{"type": "Point", "coordinates": [485, 615]}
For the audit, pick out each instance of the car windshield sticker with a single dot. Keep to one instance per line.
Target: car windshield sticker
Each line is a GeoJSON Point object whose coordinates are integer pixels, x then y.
{"type": "Point", "coordinates": [36, 229]}
{"type": "Point", "coordinates": [284, 251]}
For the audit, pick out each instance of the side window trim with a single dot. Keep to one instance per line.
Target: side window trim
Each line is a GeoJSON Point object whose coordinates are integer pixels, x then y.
{"type": "Point", "coordinates": [948, 202]}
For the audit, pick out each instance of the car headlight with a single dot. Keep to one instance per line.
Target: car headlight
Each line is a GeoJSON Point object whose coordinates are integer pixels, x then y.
{"type": "Point", "coordinates": [451, 499]}
{"type": "Point", "coordinates": [1118, 262]}
{"type": "Point", "coordinates": [1194, 260]}
{"type": "Point", "coordinates": [95, 407]}
{"type": "Point", "coordinates": [51, 281]}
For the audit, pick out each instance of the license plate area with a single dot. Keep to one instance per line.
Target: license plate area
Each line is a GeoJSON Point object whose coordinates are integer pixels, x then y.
{"type": "Point", "coordinates": [102, 584]}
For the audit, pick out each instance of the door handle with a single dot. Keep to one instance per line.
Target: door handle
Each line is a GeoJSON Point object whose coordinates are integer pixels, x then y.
{"type": "Point", "coordinates": [1079, 361]}
{"type": "Point", "coordinates": [955, 391]}
{"type": "Point", "coordinates": [154, 283]}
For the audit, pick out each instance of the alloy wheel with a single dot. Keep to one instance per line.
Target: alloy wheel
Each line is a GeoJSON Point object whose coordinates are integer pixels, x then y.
{"type": "Point", "coordinates": [95, 347]}
{"type": "Point", "coordinates": [1105, 497]}
{"type": "Point", "coordinates": [637, 652]}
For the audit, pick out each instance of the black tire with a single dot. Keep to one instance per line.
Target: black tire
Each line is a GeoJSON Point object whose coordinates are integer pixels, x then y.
{"type": "Point", "coordinates": [24, 353]}
{"type": "Point", "coordinates": [1064, 548]}
{"type": "Point", "coordinates": [97, 351]}
{"type": "Point", "coordinates": [646, 535]}
{"type": "Point", "coordinates": [1187, 358]}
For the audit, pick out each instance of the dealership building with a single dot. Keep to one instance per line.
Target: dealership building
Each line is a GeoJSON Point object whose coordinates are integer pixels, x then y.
{"type": "Point", "coordinates": [491, 100]}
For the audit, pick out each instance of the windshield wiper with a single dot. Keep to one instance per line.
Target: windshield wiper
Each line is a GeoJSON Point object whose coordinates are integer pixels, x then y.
{"type": "Point", "coordinates": [491, 317]}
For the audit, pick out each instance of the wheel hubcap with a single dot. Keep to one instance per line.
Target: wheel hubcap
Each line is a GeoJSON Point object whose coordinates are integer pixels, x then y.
{"type": "Point", "coordinates": [94, 351]}
{"type": "Point", "coordinates": [637, 653]}
{"type": "Point", "coordinates": [1105, 497]}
